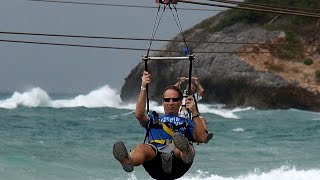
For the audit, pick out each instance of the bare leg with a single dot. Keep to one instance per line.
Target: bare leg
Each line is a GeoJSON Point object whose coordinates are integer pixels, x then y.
{"type": "Point", "coordinates": [142, 153]}
{"type": "Point", "coordinates": [209, 135]}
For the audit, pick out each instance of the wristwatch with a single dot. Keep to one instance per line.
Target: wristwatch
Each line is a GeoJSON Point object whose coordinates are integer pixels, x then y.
{"type": "Point", "coordinates": [196, 115]}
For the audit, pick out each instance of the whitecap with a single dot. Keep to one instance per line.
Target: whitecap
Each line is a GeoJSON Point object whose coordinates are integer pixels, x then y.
{"type": "Point", "coordinates": [238, 130]}
{"type": "Point", "coordinates": [282, 173]}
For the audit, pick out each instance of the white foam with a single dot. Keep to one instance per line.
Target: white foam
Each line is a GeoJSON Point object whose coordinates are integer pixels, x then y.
{"type": "Point", "coordinates": [226, 113]}
{"type": "Point", "coordinates": [101, 97]}
{"type": "Point", "coordinates": [32, 98]}
{"type": "Point", "coordinates": [206, 108]}
{"type": "Point", "coordinates": [282, 173]}
{"type": "Point", "coordinates": [238, 130]}
{"type": "Point", "coordinates": [36, 97]}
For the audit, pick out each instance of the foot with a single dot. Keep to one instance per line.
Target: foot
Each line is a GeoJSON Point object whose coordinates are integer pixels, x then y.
{"type": "Point", "coordinates": [121, 154]}
{"type": "Point", "coordinates": [209, 137]}
{"type": "Point", "coordinates": [182, 143]}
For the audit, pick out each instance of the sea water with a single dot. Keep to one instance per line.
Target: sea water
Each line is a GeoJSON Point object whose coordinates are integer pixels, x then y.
{"type": "Point", "coordinates": [56, 137]}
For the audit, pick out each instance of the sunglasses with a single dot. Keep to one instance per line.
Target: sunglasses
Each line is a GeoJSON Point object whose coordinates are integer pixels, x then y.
{"type": "Point", "coordinates": [169, 99]}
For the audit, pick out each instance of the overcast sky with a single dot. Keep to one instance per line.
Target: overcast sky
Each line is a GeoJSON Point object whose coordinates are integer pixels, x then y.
{"type": "Point", "coordinates": [74, 69]}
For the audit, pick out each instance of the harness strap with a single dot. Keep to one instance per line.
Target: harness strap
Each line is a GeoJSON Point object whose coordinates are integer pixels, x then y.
{"type": "Point", "coordinates": [167, 129]}
{"type": "Point", "coordinates": [160, 141]}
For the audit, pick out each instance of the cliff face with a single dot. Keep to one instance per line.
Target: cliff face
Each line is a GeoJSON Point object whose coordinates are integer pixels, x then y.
{"type": "Point", "coordinates": [229, 78]}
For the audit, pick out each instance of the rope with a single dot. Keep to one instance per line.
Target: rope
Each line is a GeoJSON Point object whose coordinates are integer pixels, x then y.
{"type": "Point", "coordinates": [155, 26]}
{"type": "Point", "coordinates": [178, 23]}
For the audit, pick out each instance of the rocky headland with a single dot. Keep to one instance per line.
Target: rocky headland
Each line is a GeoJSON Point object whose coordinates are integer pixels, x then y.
{"type": "Point", "coordinates": [281, 69]}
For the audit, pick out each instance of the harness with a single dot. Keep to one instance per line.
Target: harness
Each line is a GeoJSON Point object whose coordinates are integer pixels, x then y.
{"type": "Point", "coordinates": [165, 150]}
{"type": "Point", "coordinates": [169, 128]}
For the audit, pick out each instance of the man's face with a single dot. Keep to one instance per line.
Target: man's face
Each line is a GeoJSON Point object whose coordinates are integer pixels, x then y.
{"type": "Point", "coordinates": [171, 102]}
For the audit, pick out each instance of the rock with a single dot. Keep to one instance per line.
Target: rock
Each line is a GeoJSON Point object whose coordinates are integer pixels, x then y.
{"type": "Point", "coordinates": [225, 77]}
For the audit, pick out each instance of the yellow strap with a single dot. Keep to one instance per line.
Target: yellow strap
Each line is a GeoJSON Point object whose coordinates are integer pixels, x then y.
{"type": "Point", "coordinates": [159, 141]}
{"type": "Point", "coordinates": [167, 129]}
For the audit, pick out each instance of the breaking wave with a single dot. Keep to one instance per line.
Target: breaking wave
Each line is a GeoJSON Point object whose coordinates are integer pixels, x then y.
{"type": "Point", "coordinates": [101, 97]}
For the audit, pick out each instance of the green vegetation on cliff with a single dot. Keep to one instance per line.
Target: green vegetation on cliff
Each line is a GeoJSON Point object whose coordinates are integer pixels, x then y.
{"type": "Point", "coordinates": [292, 49]}
{"type": "Point", "coordinates": [299, 30]}
{"type": "Point", "coordinates": [246, 16]}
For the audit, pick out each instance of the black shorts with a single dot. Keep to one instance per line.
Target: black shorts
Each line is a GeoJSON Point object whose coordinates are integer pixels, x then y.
{"type": "Point", "coordinates": [153, 167]}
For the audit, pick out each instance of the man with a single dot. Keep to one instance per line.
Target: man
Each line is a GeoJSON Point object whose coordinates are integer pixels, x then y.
{"type": "Point", "coordinates": [168, 154]}
{"type": "Point", "coordinates": [196, 87]}
{"type": "Point", "coordinates": [197, 92]}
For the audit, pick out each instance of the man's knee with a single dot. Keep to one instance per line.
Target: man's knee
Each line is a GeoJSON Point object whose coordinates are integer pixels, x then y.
{"type": "Point", "coordinates": [146, 149]}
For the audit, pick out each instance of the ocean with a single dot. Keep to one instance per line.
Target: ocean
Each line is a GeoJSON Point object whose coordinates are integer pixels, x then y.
{"type": "Point", "coordinates": [63, 136]}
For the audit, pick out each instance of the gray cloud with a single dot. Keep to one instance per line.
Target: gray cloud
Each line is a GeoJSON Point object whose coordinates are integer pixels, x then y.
{"type": "Point", "coordinates": [74, 69]}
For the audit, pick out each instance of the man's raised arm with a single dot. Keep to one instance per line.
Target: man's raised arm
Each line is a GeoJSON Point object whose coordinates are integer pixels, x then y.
{"type": "Point", "coordinates": [140, 112]}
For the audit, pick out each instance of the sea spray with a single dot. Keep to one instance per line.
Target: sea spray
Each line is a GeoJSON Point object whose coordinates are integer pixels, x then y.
{"type": "Point", "coordinates": [101, 97]}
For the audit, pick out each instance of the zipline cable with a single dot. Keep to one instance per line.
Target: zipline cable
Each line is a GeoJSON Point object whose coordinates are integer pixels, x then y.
{"type": "Point", "coordinates": [148, 39]}
{"type": "Point", "coordinates": [119, 5]}
{"type": "Point", "coordinates": [266, 7]}
{"type": "Point", "coordinates": [192, 9]}
{"type": "Point", "coordinates": [127, 48]}
{"type": "Point", "coordinates": [279, 7]}
{"type": "Point", "coordinates": [252, 9]}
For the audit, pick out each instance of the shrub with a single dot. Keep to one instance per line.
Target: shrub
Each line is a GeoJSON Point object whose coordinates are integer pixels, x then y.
{"type": "Point", "coordinates": [308, 61]}
{"type": "Point", "coordinates": [276, 67]}
{"type": "Point", "coordinates": [318, 49]}
{"type": "Point", "coordinates": [292, 51]}
{"type": "Point", "coordinates": [298, 20]}
{"type": "Point", "coordinates": [300, 5]}
{"type": "Point", "coordinates": [295, 70]}
{"type": "Point", "coordinates": [234, 16]}
{"type": "Point", "coordinates": [317, 74]}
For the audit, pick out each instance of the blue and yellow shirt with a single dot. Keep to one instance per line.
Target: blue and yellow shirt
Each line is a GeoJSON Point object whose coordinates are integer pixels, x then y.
{"type": "Point", "coordinates": [160, 132]}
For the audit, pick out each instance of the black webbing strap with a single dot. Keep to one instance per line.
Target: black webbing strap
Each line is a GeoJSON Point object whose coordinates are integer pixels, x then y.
{"type": "Point", "coordinates": [148, 108]}
{"type": "Point", "coordinates": [190, 81]}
